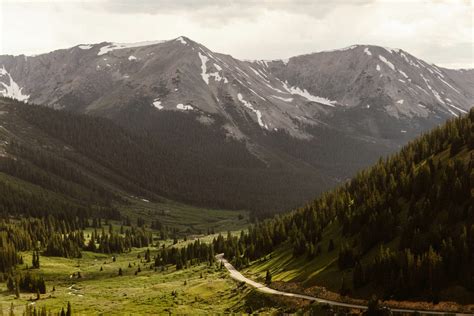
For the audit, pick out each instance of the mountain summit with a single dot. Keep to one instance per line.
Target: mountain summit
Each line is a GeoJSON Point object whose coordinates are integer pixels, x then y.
{"type": "Point", "coordinates": [182, 75]}
{"type": "Point", "coordinates": [327, 114]}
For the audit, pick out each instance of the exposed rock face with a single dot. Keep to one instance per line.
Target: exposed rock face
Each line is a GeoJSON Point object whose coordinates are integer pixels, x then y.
{"type": "Point", "coordinates": [342, 108]}
{"type": "Point", "coordinates": [182, 75]}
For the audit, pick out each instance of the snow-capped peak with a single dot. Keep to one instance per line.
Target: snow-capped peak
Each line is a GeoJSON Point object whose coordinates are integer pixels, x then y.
{"type": "Point", "coordinates": [181, 40]}
{"type": "Point", "coordinates": [11, 89]}
{"type": "Point", "coordinates": [114, 46]}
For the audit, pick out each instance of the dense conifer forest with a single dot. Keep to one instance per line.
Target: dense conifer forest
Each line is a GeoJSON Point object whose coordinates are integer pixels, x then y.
{"type": "Point", "coordinates": [415, 208]}
{"type": "Point", "coordinates": [420, 200]}
{"type": "Point", "coordinates": [203, 170]}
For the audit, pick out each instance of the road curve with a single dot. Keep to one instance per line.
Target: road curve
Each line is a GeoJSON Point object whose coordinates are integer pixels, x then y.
{"type": "Point", "coordinates": [236, 275]}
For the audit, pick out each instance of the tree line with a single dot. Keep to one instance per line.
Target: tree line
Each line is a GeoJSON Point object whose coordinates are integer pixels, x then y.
{"type": "Point", "coordinates": [422, 197]}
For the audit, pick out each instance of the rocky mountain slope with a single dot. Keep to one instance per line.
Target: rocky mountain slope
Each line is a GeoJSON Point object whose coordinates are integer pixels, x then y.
{"type": "Point", "coordinates": [402, 229]}
{"type": "Point", "coordinates": [93, 160]}
{"type": "Point", "coordinates": [326, 114]}
{"type": "Point", "coordinates": [183, 75]}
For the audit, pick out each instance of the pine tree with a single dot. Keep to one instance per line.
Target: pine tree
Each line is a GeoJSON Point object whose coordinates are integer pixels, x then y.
{"type": "Point", "coordinates": [345, 290]}
{"type": "Point", "coordinates": [17, 287]}
{"type": "Point", "coordinates": [69, 309]}
{"type": "Point", "coordinates": [331, 245]}
{"type": "Point", "coordinates": [358, 276]}
{"type": "Point", "coordinates": [268, 277]}
{"type": "Point", "coordinates": [35, 261]}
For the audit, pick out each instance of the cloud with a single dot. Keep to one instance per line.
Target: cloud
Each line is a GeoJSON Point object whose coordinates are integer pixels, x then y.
{"type": "Point", "coordinates": [206, 11]}
{"type": "Point", "coordinates": [439, 31]}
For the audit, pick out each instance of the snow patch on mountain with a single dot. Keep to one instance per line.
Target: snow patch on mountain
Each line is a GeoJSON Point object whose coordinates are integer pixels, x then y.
{"type": "Point", "coordinates": [386, 62]}
{"type": "Point", "coordinates": [275, 89]}
{"type": "Point", "coordinates": [454, 114]}
{"type": "Point", "coordinates": [446, 83]}
{"type": "Point", "coordinates": [308, 96]}
{"type": "Point", "coordinates": [455, 107]}
{"type": "Point", "coordinates": [250, 107]}
{"type": "Point", "coordinates": [409, 61]}
{"type": "Point", "coordinates": [181, 40]}
{"type": "Point", "coordinates": [258, 74]}
{"type": "Point", "coordinates": [12, 89]}
{"type": "Point", "coordinates": [437, 96]}
{"type": "Point", "coordinates": [283, 99]}
{"type": "Point", "coordinates": [400, 101]}
{"type": "Point", "coordinates": [157, 104]}
{"type": "Point", "coordinates": [114, 46]}
{"type": "Point", "coordinates": [367, 51]}
{"type": "Point", "coordinates": [242, 72]}
{"type": "Point", "coordinates": [435, 93]}
{"type": "Point", "coordinates": [183, 107]}
{"type": "Point", "coordinates": [205, 75]}
{"type": "Point", "coordinates": [436, 69]}
{"type": "Point", "coordinates": [216, 58]}
{"type": "Point", "coordinates": [258, 95]}
{"type": "Point", "coordinates": [85, 46]}
{"type": "Point", "coordinates": [404, 57]}
{"type": "Point", "coordinates": [378, 67]}
{"type": "Point", "coordinates": [403, 73]}
{"type": "Point", "coordinates": [263, 72]}
{"type": "Point", "coordinates": [426, 92]}
{"type": "Point", "coordinates": [131, 57]}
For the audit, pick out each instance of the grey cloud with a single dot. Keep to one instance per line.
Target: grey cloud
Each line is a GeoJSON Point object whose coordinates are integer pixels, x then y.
{"type": "Point", "coordinates": [227, 10]}
{"type": "Point", "coordinates": [462, 53]}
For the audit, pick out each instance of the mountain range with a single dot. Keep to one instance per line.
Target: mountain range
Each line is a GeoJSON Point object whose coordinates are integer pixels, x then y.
{"type": "Point", "coordinates": [302, 124]}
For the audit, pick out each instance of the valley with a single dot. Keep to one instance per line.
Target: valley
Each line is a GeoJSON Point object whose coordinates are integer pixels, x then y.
{"type": "Point", "coordinates": [282, 131]}
{"type": "Point", "coordinates": [199, 289]}
{"type": "Point", "coordinates": [337, 301]}
{"type": "Point", "coordinates": [166, 178]}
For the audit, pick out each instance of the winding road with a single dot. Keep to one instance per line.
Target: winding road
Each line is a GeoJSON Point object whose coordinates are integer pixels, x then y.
{"type": "Point", "coordinates": [236, 275]}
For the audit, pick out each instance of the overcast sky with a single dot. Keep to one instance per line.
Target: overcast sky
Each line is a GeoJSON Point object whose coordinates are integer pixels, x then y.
{"type": "Point", "coordinates": [438, 31]}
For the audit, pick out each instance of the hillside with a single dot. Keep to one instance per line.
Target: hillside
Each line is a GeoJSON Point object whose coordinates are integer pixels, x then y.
{"type": "Point", "coordinates": [181, 75]}
{"type": "Point", "coordinates": [70, 221]}
{"type": "Point", "coordinates": [74, 215]}
{"type": "Point", "coordinates": [63, 165]}
{"type": "Point", "coordinates": [188, 168]}
{"type": "Point", "coordinates": [261, 135]}
{"type": "Point", "coordinates": [402, 229]}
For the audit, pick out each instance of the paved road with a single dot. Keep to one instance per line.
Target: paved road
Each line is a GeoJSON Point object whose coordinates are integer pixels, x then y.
{"type": "Point", "coordinates": [235, 274]}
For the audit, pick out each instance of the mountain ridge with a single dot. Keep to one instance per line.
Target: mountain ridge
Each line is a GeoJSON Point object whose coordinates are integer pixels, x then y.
{"type": "Point", "coordinates": [402, 229]}
{"type": "Point", "coordinates": [327, 114]}
{"type": "Point", "coordinates": [241, 78]}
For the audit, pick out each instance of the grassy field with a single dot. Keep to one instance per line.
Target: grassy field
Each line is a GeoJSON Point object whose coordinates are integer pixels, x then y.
{"type": "Point", "coordinates": [200, 289]}
{"type": "Point", "coordinates": [187, 219]}
{"type": "Point", "coordinates": [322, 270]}
{"type": "Point", "coordinates": [322, 277]}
